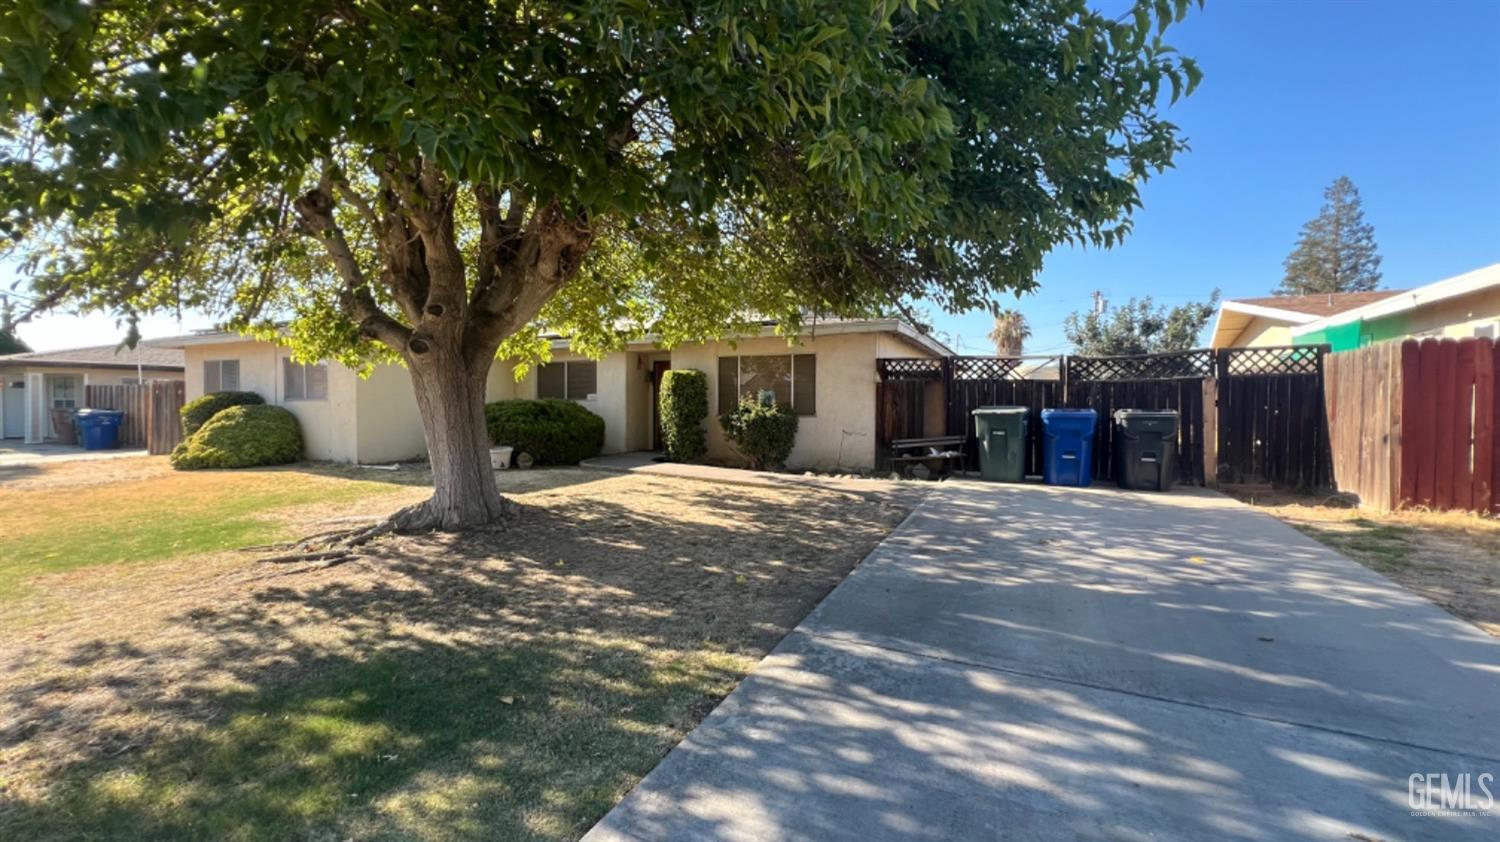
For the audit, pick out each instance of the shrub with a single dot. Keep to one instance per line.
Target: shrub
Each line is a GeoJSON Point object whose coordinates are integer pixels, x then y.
{"type": "Point", "coordinates": [684, 405]}
{"type": "Point", "coordinates": [195, 413]}
{"type": "Point", "coordinates": [242, 437]}
{"type": "Point", "coordinates": [553, 431]}
{"type": "Point", "coordinates": [762, 431]}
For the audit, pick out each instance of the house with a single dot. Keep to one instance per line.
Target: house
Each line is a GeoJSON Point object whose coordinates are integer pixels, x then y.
{"type": "Point", "coordinates": [1458, 307]}
{"type": "Point", "coordinates": [38, 381]}
{"type": "Point", "coordinates": [827, 376]}
{"type": "Point", "coordinates": [1258, 322]}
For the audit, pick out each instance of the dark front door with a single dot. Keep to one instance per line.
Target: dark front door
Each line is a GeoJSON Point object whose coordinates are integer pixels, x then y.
{"type": "Point", "coordinates": [658, 368]}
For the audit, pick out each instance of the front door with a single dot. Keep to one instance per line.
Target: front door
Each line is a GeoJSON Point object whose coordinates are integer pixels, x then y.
{"type": "Point", "coordinates": [13, 425]}
{"type": "Point", "coordinates": [658, 368]}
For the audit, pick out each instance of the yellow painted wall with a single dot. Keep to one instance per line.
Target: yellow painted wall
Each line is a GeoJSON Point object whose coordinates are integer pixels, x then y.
{"type": "Point", "coordinates": [1262, 332]}
{"type": "Point", "coordinates": [1456, 317]}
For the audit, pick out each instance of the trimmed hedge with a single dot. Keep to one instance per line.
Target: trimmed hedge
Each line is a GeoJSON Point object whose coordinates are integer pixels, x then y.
{"type": "Point", "coordinates": [551, 430]}
{"type": "Point", "coordinates": [195, 413]}
{"type": "Point", "coordinates": [242, 437]}
{"type": "Point", "coordinates": [683, 406]}
{"type": "Point", "coordinates": [763, 431]}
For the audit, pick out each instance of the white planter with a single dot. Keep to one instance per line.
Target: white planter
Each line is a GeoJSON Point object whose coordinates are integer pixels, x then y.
{"type": "Point", "coordinates": [500, 457]}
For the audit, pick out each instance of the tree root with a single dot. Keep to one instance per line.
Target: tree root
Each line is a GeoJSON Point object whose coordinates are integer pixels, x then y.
{"type": "Point", "coordinates": [341, 545]}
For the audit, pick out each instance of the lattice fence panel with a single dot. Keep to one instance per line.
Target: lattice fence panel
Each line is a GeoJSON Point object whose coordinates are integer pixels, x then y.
{"type": "Point", "coordinates": [893, 369]}
{"type": "Point", "coordinates": [1290, 359]}
{"type": "Point", "coordinates": [986, 368]}
{"type": "Point", "coordinates": [1174, 366]}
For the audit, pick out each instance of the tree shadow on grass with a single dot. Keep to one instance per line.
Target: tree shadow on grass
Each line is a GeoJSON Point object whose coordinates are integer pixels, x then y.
{"type": "Point", "coordinates": [511, 685]}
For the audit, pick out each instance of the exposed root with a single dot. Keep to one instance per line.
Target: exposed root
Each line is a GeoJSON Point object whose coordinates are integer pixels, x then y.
{"type": "Point", "coordinates": [338, 546]}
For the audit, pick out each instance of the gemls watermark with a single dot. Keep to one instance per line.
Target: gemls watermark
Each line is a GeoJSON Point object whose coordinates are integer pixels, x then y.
{"type": "Point", "coordinates": [1441, 794]}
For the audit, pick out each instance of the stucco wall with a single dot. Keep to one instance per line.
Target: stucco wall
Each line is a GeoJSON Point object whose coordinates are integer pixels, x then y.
{"type": "Point", "coordinates": [328, 426]}
{"type": "Point", "coordinates": [611, 399]}
{"type": "Point", "coordinates": [842, 433]}
{"type": "Point", "coordinates": [1262, 332]}
{"type": "Point", "coordinates": [1456, 318]}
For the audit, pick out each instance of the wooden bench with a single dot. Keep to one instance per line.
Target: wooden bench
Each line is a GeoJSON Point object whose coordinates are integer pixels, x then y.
{"type": "Point", "coordinates": [907, 453]}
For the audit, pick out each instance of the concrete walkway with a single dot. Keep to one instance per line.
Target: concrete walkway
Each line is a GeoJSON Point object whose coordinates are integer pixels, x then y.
{"type": "Point", "coordinates": [16, 452]}
{"type": "Point", "coordinates": [1024, 662]}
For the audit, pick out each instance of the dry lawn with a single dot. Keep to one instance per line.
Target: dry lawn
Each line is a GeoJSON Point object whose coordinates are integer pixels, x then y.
{"type": "Point", "coordinates": [1451, 558]}
{"type": "Point", "coordinates": [511, 685]}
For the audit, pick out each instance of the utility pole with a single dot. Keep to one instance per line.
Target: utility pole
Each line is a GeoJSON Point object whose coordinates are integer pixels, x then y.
{"type": "Point", "coordinates": [1100, 305]}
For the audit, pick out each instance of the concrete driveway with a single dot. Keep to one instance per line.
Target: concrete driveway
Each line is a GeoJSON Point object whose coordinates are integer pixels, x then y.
{"type": "Point", "coordinates": [1025, 662]}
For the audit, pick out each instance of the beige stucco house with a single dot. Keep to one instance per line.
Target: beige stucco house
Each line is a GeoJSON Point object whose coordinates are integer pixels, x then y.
{"type": "Point", "coordinates": [827, 375]}
{"type": "Point", "coordinates": [1259, 322]}
{"type": "Point", "coordinates": [36, 382]}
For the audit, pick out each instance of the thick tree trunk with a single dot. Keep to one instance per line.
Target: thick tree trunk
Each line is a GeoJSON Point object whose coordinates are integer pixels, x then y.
{"type": "Point", "coordinates": [450, 394]}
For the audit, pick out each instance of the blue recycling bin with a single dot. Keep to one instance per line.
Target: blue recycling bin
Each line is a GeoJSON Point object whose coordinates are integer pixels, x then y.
{"type": "Point", "coordinates": [99, 429]}
{"type": "Point", "coordinates": [1068, 446]}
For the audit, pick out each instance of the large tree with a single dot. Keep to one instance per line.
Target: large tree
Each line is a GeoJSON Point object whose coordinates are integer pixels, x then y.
{"type": "Point", "coordinates": [1010, 333]}
{"type": "Point", "coordinates": [1336, 250]}
{"type": "Point", "coordinates": [1139, 327]}
{"type": "Point", "coordinates": [432, 183]}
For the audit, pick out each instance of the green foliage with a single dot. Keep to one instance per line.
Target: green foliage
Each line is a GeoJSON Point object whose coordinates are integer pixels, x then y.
{"type": "Point", "coordinates": [195, 413]}
{"type": "Point", "coordinates": [851, 153]}
{"type": "Point", "coordinates": [9, 344]}
{"type": "Point", "coordinates": [1139, 327]}
{"type": "Point", "coordinates": [684, 405]}
{"type": "Point", "coordinates": [243, 436]}
{"type": "Point", "coordinates": [762, 431]}
{"type": "Point", "coordinates": [1009, 333]}
{"type": "Point", "coordinates": [553, 431]}
{"type": "Point", "coordinates": [1336, 250]}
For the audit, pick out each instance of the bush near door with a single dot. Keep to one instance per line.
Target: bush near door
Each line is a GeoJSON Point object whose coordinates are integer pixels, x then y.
{"type": "Point", "coordinates": [553, 431]}
{"type": "Point", "coordinates": [683, 406]}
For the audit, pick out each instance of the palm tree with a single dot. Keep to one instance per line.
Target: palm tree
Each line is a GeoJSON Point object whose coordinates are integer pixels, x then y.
{"type": "Point", "coordinates": [1010, 332]}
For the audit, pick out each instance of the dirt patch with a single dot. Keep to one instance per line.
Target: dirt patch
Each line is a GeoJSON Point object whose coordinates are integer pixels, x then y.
{"type": "Point", "coordinates": [505, 685]}
{"type": "Point", "coordinates": [1451, 558]}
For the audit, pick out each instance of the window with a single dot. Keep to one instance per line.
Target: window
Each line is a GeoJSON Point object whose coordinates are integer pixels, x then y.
{"type": "Point", "coordinates": [575, 380]}
{"type": "Point", "coordinates": [64, 392]}
{"type": "Point", "coordinates": [303, 381]}
{"type": "Point", "coordinates": [221, 376]}
{"type": "Point", "coordinates": [792, 378]}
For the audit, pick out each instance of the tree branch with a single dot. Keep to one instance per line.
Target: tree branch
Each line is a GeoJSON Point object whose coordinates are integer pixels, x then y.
{"type": "Point", "coordinates": [315, 210]}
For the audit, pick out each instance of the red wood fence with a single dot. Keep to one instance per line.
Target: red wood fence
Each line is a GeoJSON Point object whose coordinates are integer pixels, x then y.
{"type": "Point", "coordinates": [152, 412]}
{"type": "Point", "coordinates": [1417, 423]}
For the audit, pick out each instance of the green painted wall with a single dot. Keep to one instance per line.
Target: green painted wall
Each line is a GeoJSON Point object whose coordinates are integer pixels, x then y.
{"type": "Point", "coordinates": [1344, 337]}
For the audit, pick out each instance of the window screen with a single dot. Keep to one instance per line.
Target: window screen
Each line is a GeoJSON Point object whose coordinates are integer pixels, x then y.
{"type": "Point", "coordinates": [303, 381]}
{"type": "Point", "coordinates": [791, 378]}
{"type": "Point", "coordinates": [575, 380]}
{"type": "Point", "coordinates": [221, 375]}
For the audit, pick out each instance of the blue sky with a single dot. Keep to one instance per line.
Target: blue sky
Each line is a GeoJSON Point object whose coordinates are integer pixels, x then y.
{"type": "Point", "coordinates": [1402, 97]}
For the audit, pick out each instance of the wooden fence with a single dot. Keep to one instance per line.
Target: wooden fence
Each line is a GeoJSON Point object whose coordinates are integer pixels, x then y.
{"type": "Point", "coordinates": [1245, 415]}
{"type": "Point", "coordinates": [152, 412]}
{"type": "Point", "coordinates": [1417, 424]}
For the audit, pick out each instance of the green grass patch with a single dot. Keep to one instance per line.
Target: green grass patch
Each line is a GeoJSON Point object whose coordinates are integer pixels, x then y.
{"type": "Point", "coordinates": [153, 520]}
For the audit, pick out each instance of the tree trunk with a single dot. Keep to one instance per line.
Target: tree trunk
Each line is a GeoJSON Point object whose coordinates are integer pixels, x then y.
{"type": "Point", "coordinates": [450, 395]}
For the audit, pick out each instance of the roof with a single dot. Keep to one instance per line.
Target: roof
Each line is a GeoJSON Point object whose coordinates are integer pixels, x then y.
{"type": "Point", "coordinates": [1320, 306]}
{"type": "Point", "coordinates": [809, 330]}
{"type": "Point", "coordinates": [1236, 314]}
{"type": "Point", "coordinates": [1479, 280]}
{"type": "Point", "coordinates": [146, 354]}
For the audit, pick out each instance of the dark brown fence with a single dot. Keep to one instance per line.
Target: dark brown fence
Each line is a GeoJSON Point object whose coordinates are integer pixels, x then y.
{"type": "Point", "coordinates": [1417, 423]}
{"type": "Point", "coordinates": [1270, 425]}
{"type": "Point", "coordinates": [152, 412]}
{"type": "Point", "coordinates": [1246, 414]}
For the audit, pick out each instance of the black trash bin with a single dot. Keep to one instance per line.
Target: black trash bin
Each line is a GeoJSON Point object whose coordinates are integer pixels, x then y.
{"type": "Point", "coordinates": [1146, 449]}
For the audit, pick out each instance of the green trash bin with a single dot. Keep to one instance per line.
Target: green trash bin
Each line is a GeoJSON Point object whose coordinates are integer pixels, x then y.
{"type": "Point", "coordinates": [1001, 432]}
{"type": "Point", "coordinates": [1146, 449]}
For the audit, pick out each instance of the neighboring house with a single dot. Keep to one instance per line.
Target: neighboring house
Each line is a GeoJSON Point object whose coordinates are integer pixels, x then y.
{"type": "Point", "coordinates": [1258, 322]}
{"type": "Point", "coordinates": [39, 381]}
{"type": "Point", "coordinates": [1458, 307]}
{"type": "Point", "coordinates": [827, 377]}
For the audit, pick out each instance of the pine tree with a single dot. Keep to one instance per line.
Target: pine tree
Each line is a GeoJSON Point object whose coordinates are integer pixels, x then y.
{"type": "Point", "coordinates": [1336, 250]}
